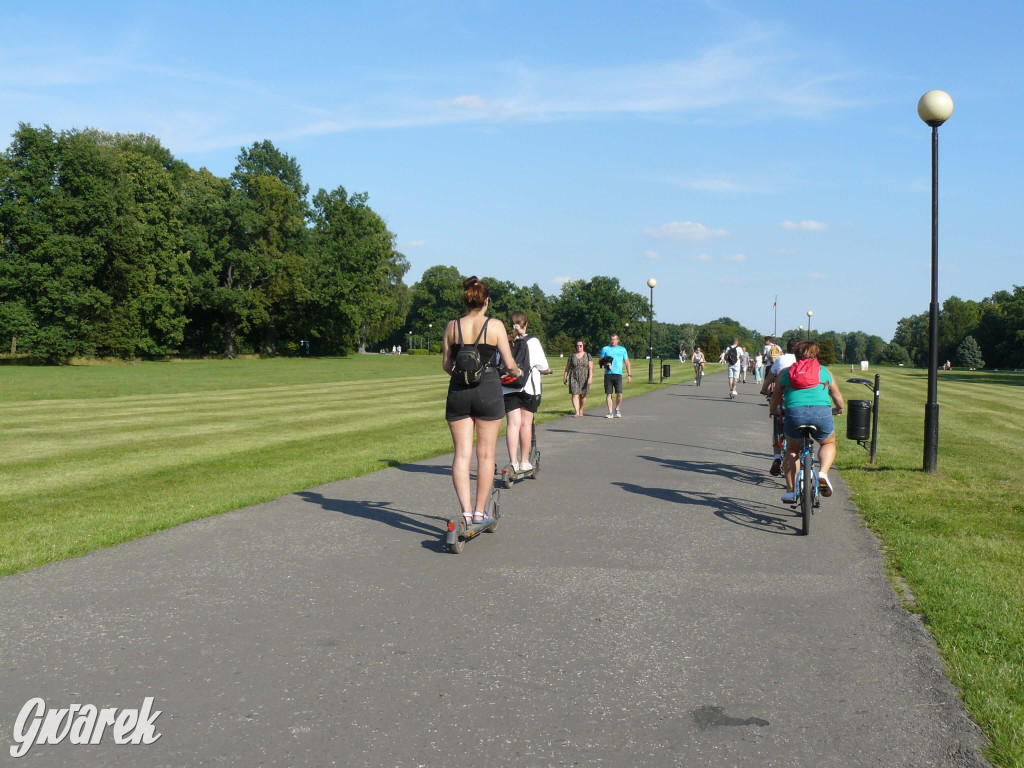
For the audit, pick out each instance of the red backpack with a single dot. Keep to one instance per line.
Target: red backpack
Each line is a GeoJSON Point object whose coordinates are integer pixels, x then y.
{"type": "Point", "coordinates": [804, 374]}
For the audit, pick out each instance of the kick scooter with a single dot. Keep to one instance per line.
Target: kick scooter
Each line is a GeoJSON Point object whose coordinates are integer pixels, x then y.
{"type": "Point", "coordinates": [459, 531]}
{"type": "Point", "coordinates": [509, 474]}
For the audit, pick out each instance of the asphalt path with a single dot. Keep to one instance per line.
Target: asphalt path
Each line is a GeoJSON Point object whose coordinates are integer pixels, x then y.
{"type": "Point", "coordinates": [646, 601]}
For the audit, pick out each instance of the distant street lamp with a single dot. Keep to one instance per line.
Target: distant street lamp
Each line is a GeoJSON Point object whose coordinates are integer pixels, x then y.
{"type": "Point", "coordinates": [809, 313]}
{"type": "Point", "coordinates": [410, 340]}
{"type": "Point", "coordinates": [625, 339]}
{"type": "Point", "coordinates": [934, 108]}
{"type": "Point", "coordinates": [430, 327]}
{"type": "Point", "coordinates": [650, 347]}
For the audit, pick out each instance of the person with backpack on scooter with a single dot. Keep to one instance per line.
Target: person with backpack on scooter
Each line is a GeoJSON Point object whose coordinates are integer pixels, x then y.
{"type": "Point", "coordinates": [474, 402]}
{"type": "Point", "coordinates": [522, 393]}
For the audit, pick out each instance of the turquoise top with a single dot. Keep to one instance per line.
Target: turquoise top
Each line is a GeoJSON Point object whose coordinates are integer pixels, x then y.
{"type": "Point", "coordinates": [618, 354]}
{"type": "Point", "coordinates": [795, 398]}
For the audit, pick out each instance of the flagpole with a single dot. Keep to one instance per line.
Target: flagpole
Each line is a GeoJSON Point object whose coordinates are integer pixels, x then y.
{"type": "Point", "coordinates": [775, 308]}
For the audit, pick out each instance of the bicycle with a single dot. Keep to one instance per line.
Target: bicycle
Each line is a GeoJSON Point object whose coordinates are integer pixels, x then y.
{"type": "Point", "coordinates": [806, 485]}
{"type": "Point", "coordinates": [698, 373]}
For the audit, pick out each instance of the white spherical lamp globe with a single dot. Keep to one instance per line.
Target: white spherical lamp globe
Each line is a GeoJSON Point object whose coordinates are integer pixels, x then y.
{"type": "Point", "coordinates": [935, 108]}
{"type": "Point", "coordinates": [651, 283]}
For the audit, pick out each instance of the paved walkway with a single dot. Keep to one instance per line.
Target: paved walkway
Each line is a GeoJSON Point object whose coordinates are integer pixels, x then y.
{"type": "Point", "coordinates": [645, 602]}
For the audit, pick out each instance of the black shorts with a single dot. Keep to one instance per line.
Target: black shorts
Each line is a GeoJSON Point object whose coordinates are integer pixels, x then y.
{"type": "Point", "coordinates": [481, 402]}
{"type": "Point", "coordinates": [613, 383]}
{"type": "Point", "coordinates": [517, 400]}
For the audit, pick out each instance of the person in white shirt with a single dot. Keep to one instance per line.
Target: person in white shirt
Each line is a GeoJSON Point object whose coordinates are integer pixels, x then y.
{"type": "Point", "coordinates": [522, 403]}
{"type": "Point", "coordinates": [767, 387]}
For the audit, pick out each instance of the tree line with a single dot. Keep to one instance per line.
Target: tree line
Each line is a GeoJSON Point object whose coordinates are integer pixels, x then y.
{"type": "Point", "coordinates": [110, 246]}
{"type": "Point", "coordinates": [973, 334]}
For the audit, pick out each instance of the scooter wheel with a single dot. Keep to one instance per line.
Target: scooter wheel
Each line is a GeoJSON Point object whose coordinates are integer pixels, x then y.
{"type": "Point", "coordinates": [508, 476]}
{"type": "Point", "coordinates": [495, 514]}
{"type": "Point", "coordinates": [460, 538]}
{"type": "Point", "coordinates": [536, 467]}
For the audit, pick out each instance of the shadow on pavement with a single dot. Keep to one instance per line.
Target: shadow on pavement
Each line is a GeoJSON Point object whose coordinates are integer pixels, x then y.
{"type": "Point", "coordinates": [749, 514]}
{"type": "Point", "coordinates": [430, 470]}
{"type": "Point", "coordinates": [739, 474]}
{"type": "Point", "coordinates": [378, 511]}
{"type": "Point", "coordinates": [658, 442]}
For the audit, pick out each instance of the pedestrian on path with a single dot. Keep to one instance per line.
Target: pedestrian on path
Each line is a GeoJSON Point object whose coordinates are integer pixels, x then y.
{"type": "Point", "coordinates": [614, 357]}
{"type": "Point", "coordinates": [579, 375]}
{"type": "Point", "coordinates": [731, 357]}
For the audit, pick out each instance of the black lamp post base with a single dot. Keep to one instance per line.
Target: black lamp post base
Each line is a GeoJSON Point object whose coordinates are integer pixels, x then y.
{"type": "Point", "coordinates": [931, 437]}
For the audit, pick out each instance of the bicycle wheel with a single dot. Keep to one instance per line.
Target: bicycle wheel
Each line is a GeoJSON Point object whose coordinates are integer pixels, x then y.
{"type": "Point", "coordinates": [806, 490]}
{"type": "Point", "coordinates": [700, 375]}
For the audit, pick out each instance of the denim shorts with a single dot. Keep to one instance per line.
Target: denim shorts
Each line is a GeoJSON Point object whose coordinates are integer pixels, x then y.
{"type": "Point", "coordinates": [734, 371]}
{"type": "Point", "coordinates": [818, 415]}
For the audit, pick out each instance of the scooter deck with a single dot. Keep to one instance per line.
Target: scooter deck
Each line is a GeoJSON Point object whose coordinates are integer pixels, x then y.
{"type": "Point", "coordinates": [459, 531]}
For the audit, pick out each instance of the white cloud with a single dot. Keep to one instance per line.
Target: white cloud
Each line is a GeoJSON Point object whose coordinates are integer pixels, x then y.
{"type": "Point", "coordinates": [738, 257]}
{"type": "Point", "coordinates": [652, 254]}
{"type": "Point", "coordinates": [466, 101]}
{"type": "Point", "coordinates": [561, 280]}
{"type": "Point", "coordinates": [805, 226]}
{"type": "Point", "coordinates": [684, 230]}
{"type": "Point", "coordinates": [705, 257]}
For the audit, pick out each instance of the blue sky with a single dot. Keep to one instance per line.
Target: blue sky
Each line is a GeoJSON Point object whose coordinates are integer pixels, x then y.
{"type": "Point", "coordinates": [731, 150]}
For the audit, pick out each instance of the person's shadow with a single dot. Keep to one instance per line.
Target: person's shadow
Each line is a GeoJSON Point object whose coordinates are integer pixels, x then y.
{"type": "Point", "coordinates": [730, 471]}
{"type": "Point", "coordinates": [381, 512]}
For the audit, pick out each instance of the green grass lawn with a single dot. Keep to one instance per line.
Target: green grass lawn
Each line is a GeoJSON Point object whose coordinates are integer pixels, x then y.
{"type": "Point", "coordinates": [956, 538]}
{"type": "Point", "coordinates": [96, 455]}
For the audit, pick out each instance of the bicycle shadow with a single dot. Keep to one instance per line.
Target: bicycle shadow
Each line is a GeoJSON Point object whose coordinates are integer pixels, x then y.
{"type": "Point", "coordinates": [744, 475]}
{"type": "Point", "coordinates": [748, 514]}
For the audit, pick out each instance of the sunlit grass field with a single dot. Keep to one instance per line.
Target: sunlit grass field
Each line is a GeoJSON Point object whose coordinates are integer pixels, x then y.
{"type": "Point", "coordinates": [956, 538]}
{"type": "Point", "coordinates": [96, 455]}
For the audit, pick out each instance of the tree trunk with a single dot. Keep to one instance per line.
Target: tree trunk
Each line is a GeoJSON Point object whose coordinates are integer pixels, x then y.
{"type": "Point", "coordinates": [14, 345]}
{"type": "Point", "coordinates": [229, 340]}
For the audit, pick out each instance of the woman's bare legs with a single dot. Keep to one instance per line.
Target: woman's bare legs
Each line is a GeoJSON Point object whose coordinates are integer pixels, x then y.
{"type": "Point", "coordinates": [526, 433]}
{"type": "Point", "coordinates": [462, 438]}
{"type": "Point", "coordinates": [515, 420]}
{"type": "Point", "coordinates": [576, 404]}
{"type": "Point", "coordinates": [486, 440]}
{"type": "Point", "coordinates": [827, 453]}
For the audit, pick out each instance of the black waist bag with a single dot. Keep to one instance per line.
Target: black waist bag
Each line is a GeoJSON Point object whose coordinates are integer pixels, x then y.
{"type": "Point", "coordinates": [469, 365]}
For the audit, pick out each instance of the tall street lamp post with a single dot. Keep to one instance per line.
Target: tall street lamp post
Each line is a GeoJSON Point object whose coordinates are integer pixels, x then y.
{"type": "Point", "coordinates": [650, 346]}
{"type": "Point", "coordinates": [809, 313]}
{"type": "Point", "coordinates": [935, 108]}
{"type": "Point", "coordinates": [430, 327]}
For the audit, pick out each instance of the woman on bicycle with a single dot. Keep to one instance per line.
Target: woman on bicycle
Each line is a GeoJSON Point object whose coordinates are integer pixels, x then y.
{"type": "Point", "coordinates": [698, 365]}
{"type": "Point", "coordinates": [804, 402]}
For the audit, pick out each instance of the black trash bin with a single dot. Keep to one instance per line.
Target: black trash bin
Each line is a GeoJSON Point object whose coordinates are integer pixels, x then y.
{"type": "Point", "coordinates": [858, 419]}
{"type": "Point", "coordinates": [666, 370]}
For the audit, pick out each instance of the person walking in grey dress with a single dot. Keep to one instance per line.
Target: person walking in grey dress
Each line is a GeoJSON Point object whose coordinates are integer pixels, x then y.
{"type": "Point", "coordinates": [579, 375]}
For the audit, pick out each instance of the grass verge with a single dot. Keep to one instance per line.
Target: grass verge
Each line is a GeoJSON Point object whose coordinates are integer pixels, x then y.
{"type": "Point", "coordinates": [97, 455]}
{"type": "Point", "coordinates": [956, 538]}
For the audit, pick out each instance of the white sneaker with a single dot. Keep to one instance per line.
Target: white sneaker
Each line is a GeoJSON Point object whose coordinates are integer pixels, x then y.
{"type": "Point", "coordinates": [525, 467]}
{"type": "Point", "coordinates": [610, 416]}
{"type": "Point", "coordinates": [618, 414]}
{"type": "Point", "coordinates": [515, 467]}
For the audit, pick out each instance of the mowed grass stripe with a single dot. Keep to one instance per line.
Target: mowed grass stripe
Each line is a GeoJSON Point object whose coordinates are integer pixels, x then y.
{"type": "Point", "coordinates": [111, 430]}
{"type": "Point", "coordinates": [137, 452]}
{"type": "Point", "coordinates": [69, 519]}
